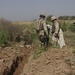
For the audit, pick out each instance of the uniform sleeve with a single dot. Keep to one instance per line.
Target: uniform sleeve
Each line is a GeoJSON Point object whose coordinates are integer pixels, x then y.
{"type": "Point", "coordinates": [45, 27]}
{"type": "Point", "coordinates": [56, 27]}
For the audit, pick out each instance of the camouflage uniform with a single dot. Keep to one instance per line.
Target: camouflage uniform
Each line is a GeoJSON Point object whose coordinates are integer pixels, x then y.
{"type": "Point", "coordinates": [57, 33]}
{"type": "Point", "coordinates": [41, 30]}
{"type": "Point", "coordinates": [56, 29]}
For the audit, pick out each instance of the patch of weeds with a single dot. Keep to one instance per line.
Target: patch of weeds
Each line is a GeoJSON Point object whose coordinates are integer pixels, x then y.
{"type": "Point", "coordinates": [67, 59]}
{"type": "Point", "coordinates": [55, 45]}
{"type": "Point", "coordinates": [73, 51]}
{"type": "Point", "coordinates": [38, 51]}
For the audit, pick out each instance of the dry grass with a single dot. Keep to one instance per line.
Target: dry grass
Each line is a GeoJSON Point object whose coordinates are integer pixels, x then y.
{"type": "Point", "coordinates": [22, 22]}
{"type": "Point", "coordinates": [67, 21]}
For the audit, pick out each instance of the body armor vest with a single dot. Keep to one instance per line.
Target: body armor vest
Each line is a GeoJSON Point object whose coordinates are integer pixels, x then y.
{"type": "Point", "coordinates": [53, 29]}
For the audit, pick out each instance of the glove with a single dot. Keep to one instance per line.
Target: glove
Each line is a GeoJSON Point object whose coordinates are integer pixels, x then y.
{"type": "Point", "coordinates": [56, 35]}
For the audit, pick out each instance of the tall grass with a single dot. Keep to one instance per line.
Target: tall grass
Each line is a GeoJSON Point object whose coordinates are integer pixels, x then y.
{"type": "Point", "coordinates": [29, 34]}
{"type": "Point", "coordinates": [69, 32]}
{"type": "Point", "coordinates": [25, 30]}
{"type": "Point", "coordinates": [4, 38]}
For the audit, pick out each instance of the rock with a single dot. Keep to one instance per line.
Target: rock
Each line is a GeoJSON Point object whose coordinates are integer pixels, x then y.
{"type": "Point", "coordinates": [28, 46]}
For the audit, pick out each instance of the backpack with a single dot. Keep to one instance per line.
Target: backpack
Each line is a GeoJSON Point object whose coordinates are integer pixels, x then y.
{"type": "Point", "coordinates": [41, 25]}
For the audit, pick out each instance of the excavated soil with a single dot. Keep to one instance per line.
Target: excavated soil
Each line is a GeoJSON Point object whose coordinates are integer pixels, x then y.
{"type": "Point", "coordinates": [12, 60]}
{"type": "Point", "coordinates": [52, 62]}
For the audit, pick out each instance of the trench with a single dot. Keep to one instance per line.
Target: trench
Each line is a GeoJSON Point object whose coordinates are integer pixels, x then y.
{"type": "Point", "coordinates": [20, 67]}
{"type": "Point", "coordinates": [17, 66]}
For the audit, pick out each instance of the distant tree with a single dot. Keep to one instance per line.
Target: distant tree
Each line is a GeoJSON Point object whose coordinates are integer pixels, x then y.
{"type": "Point", "coordinates": [66, 17]}
{"type": "Point", "coordinates": [72, 17]}
{"type": "Point", "coordinates": [48, 17]}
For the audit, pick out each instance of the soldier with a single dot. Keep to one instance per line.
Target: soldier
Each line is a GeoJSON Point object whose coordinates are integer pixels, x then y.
{"type": "Point", "coordinates": [41, 30]}
{"type": "Point", "coordinates": [57, 33]}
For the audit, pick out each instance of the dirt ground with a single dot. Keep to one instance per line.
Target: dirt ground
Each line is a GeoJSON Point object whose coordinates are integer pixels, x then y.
{"type": "Point", "coordinates": [12, 60]}
{"type": "Point", "coordinates": [52, 62]}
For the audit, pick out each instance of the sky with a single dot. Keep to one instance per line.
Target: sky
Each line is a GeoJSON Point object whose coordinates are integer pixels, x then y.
{"type": "Point", "coordinates": [27, 10]}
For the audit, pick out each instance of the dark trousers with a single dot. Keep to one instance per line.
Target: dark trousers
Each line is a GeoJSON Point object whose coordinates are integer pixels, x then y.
{"type": "Point", "coordinates": [44, 40]}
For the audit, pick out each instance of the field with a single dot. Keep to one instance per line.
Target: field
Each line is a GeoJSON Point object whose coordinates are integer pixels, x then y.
{"type": "Point", "coordinates": [22, 23]}
{"type": "Point", "coordinates": [19, 43]}
{"type": "Point", "coordinates": [49, 62]}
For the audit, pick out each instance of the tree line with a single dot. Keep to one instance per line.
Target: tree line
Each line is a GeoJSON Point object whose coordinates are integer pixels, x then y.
{"type": "Point", "coordinates": [62, 17]}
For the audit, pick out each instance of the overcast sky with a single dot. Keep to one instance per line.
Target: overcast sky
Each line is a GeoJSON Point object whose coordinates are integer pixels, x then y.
{"type": "Point", "coordinates": [26, 10]}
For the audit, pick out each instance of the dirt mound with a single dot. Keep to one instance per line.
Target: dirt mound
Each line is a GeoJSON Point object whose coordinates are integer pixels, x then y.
{"type": "Point", "coordinates": [53, 62]}
{"type": "Point", "coordinates": [10, 58]}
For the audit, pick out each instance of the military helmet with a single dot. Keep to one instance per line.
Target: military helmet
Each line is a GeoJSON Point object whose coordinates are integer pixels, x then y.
{"type": "Point", "coordinates": [53, 18]}
{"type": "Point", "coordinates": [42, 15]}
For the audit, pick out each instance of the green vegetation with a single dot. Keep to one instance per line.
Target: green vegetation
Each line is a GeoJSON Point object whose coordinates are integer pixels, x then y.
{"type": "Point", "coordinates": [16, 30]}
{"type": "Point", "coordinates": [9, 32]}
{"type": "Point", "coordinates": [64, 26]}
{"type": "Point", "coordinates": [4, 38]}
{"type": "Point", "coordinates": [38, 51]}
{"type": "Point", "coordinates": [72, 28]}
{"type": "Point", "coordinates": [62, 17]}
{"type": "Point", "coordinates": [67, 17]}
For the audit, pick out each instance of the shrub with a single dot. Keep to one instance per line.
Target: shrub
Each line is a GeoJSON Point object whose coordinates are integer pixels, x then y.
{"type": "Point", "coordinates": [63, 26]}
{"type": "Point", "coordinates": [72, 28]}
{"type": "Point", "coordinates": [28, 35]}
{"type": "Point", "coordinates": [4, 38]}
{"type": "Point", "coordinates": [27, 31]}
{"type": "Point", "coordinates": [12, 29]}
{"type": "Point", "coordinates": [69, 38]}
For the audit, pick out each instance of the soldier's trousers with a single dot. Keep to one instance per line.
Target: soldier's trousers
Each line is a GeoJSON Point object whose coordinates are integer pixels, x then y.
{"type": "Point", "coordinates": [44, 40]}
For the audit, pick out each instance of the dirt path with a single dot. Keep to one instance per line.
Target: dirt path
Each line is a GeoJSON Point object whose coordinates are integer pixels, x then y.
{"type": "Point", "coordinates": [53, 62]}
